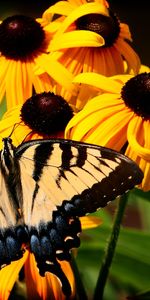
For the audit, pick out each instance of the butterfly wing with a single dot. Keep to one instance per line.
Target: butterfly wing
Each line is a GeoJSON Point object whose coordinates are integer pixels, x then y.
{"type": "Point", "coordinates": [62, 180]}
{"type": "Point", "coordinates": [44, 239]}
{"type": "Point", "coordinates": [11, 230]}
{"type": "Point", "coordinates": [76, 176]}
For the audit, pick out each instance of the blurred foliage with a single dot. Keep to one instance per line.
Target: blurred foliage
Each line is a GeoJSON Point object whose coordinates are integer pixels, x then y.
{"type": "Point", "coordinates": [130, 271]}
{"type": "Point", "coordinates": [3, 108]}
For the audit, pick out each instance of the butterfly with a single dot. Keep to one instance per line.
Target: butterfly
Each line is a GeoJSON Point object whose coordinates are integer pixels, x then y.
{"type": "Point", "coordinates": [45, 186]}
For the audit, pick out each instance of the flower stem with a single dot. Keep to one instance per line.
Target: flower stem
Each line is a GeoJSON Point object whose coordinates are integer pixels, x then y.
{"type": "Point", "coordinates": [108, 256]}
{"type": "Point", "coordinates": [79, 284]}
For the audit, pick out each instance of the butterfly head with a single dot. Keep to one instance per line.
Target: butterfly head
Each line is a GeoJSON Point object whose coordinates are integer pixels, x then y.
{"type": "Point", "coordinates": [7, 142]}
{"type": "Point", "coordinates": [7, 152]}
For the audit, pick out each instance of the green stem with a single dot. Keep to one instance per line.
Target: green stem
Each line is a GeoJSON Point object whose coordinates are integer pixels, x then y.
{"type": "Point", "coordinates": [79, 284]}
{"type": "Point", "coordinates": [108, 257]}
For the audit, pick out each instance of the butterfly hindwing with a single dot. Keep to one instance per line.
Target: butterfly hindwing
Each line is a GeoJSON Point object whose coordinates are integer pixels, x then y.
{"type": "Point", "coordinates": [11, 228]}
{"type": "Point", "coordinates": [41, 224]}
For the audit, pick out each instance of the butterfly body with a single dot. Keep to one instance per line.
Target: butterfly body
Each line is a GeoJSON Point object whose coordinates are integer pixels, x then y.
{"type": "Point", "coordinates": [45, 186]}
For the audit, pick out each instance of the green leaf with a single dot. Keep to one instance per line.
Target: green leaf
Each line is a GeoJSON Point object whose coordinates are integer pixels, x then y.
{"type": "Point", "coordinates": [131, 264]}
{"type": "Point", "coordinates": [143, 296]}
{"type": "Point", "coordinates": [2, 107]}
{"type": "Point", "coordinates": [138, 194]}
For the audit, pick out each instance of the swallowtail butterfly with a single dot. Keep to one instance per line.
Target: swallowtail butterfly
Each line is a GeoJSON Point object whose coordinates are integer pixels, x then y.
{"type": "Point", "coordinates": [45, 186]}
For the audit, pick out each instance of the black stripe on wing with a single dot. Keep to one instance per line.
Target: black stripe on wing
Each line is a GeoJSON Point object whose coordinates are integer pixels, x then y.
{"type": "Point", "coordinates": [66, 156]}
{"type": "Point", "coordinates": [41, 156]}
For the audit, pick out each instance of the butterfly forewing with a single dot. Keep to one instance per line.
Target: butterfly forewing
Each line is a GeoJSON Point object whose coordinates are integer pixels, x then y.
{"type": "Point", "coordinates": [85, 175]}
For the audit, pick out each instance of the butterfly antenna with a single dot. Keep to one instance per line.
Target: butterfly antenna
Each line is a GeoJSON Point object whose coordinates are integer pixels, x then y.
{"type": "Point", "coordinates": [14, 127]}
{"type": "Point", "coordinates": [30, 133]}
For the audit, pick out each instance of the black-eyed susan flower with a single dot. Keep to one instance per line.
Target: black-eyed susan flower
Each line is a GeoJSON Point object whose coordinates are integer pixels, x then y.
{"type": "Point", "coordinates": [43, 115]}
{"type": "Point", "coordinates": [119, 118]}
{"type": "Point", "coordinates": [25, 62]}
{"type": "Point", "coordinates": [92, 39]}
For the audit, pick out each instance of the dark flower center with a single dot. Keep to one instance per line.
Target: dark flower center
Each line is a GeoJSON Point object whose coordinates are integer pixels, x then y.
{"type": "Point", "coordinates": [107, 27]}
{"type": "Point", "coordinates": [46, 113]}
{"type": "Point", "coordinates": [21, 37]}
{"type": "Point", "coordinates": [136, 94]}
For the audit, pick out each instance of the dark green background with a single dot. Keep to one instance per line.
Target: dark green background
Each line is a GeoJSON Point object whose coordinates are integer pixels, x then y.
{"type": "Point", "coordinates": [135, 13]}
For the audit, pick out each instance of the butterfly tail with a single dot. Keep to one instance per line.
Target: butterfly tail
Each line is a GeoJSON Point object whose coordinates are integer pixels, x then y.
{"type": "Point", "coordinates": [55, 269]}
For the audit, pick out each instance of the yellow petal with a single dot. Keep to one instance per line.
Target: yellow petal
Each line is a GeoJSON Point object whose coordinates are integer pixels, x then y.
{"type": "Point", "coordinates": [131, 57]}
{"type": "Point", "coordinates": [51, 28]}
{"type": "Point", "coordinates": [135, 126]}
{"type": "Point", "coordinates": [84, 95]}
{"type": "Point", "coordinates": [103, 121]}
{"type": "Point", "coordinates": [4, 66]}
{"type": "Point", "coordinates": [57, 71]}
{"type": "Point", "coordinates": [76, 3]}
{"type": "Point", "coordinates": [8, 276]}
{"type": "Point", "coordinates": [60, 8]}
{"type": "Point", "coordinates": [77, 38]}
{"type": "Point", "coordinates": [80, 11]}
{"type": "Point", "coordinates": [11, 124]}
{"type": "Point", "coordinates": [122, 78]}
{"type": "Point", "coordinates": [47, 287]}
{"type": "Point", "coordinates": [90, 222]}
{"type": "Point", "coordinates": [99, 81]}
{"type": "Point", "coordinates": [141, 130]}
{"type": "Point", "coordinates": [144, 68]}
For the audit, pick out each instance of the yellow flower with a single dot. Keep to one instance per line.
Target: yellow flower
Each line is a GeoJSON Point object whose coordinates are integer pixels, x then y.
{"type": "Point", "coordinates": [97, 39]}
{"type": "Point", "coordinates": [47, 287]}
{"type": "Point", "coordinates": [44, 115]}
{"type": "Point", "coordinates": [119, 118]}
{"type": "Point", "coordinates": [25, 62]}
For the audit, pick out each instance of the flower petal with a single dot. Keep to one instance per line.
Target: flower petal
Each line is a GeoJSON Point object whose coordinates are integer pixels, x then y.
{"type": "Point", "coordinates": [60, 8]}
{"type": "Point", "coordinates": [3, 71]}
{"type": "Point", "coordinates": [90, 222]}
{"type": "Point", "coordinates": [103, 121]}
{"type": "Point", "coordinates": [80, 11]}
{"type": "Point", "coordinates": [135, 126]}
{"type": "Point", "coordinates": [8, 276]}
{"type": "Point", "coordinates": [77, 38]}
{"type": "Point", "coordinates": [139, 147]}
{"type": "Point", "coordinates": [47, 287]}
{"type": "Point", "coordinates": [56, 70]}
{"type": "Point", "coordinates": [99, 81]}
{"type": "Point", "coordinates": [144, 68]}
{"type": "Point", "coordinates": [129, 54]}
{"type": "Point", "coordinates": [11, 123]}
{"type": "Point", "coordinates": [125, 32]}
